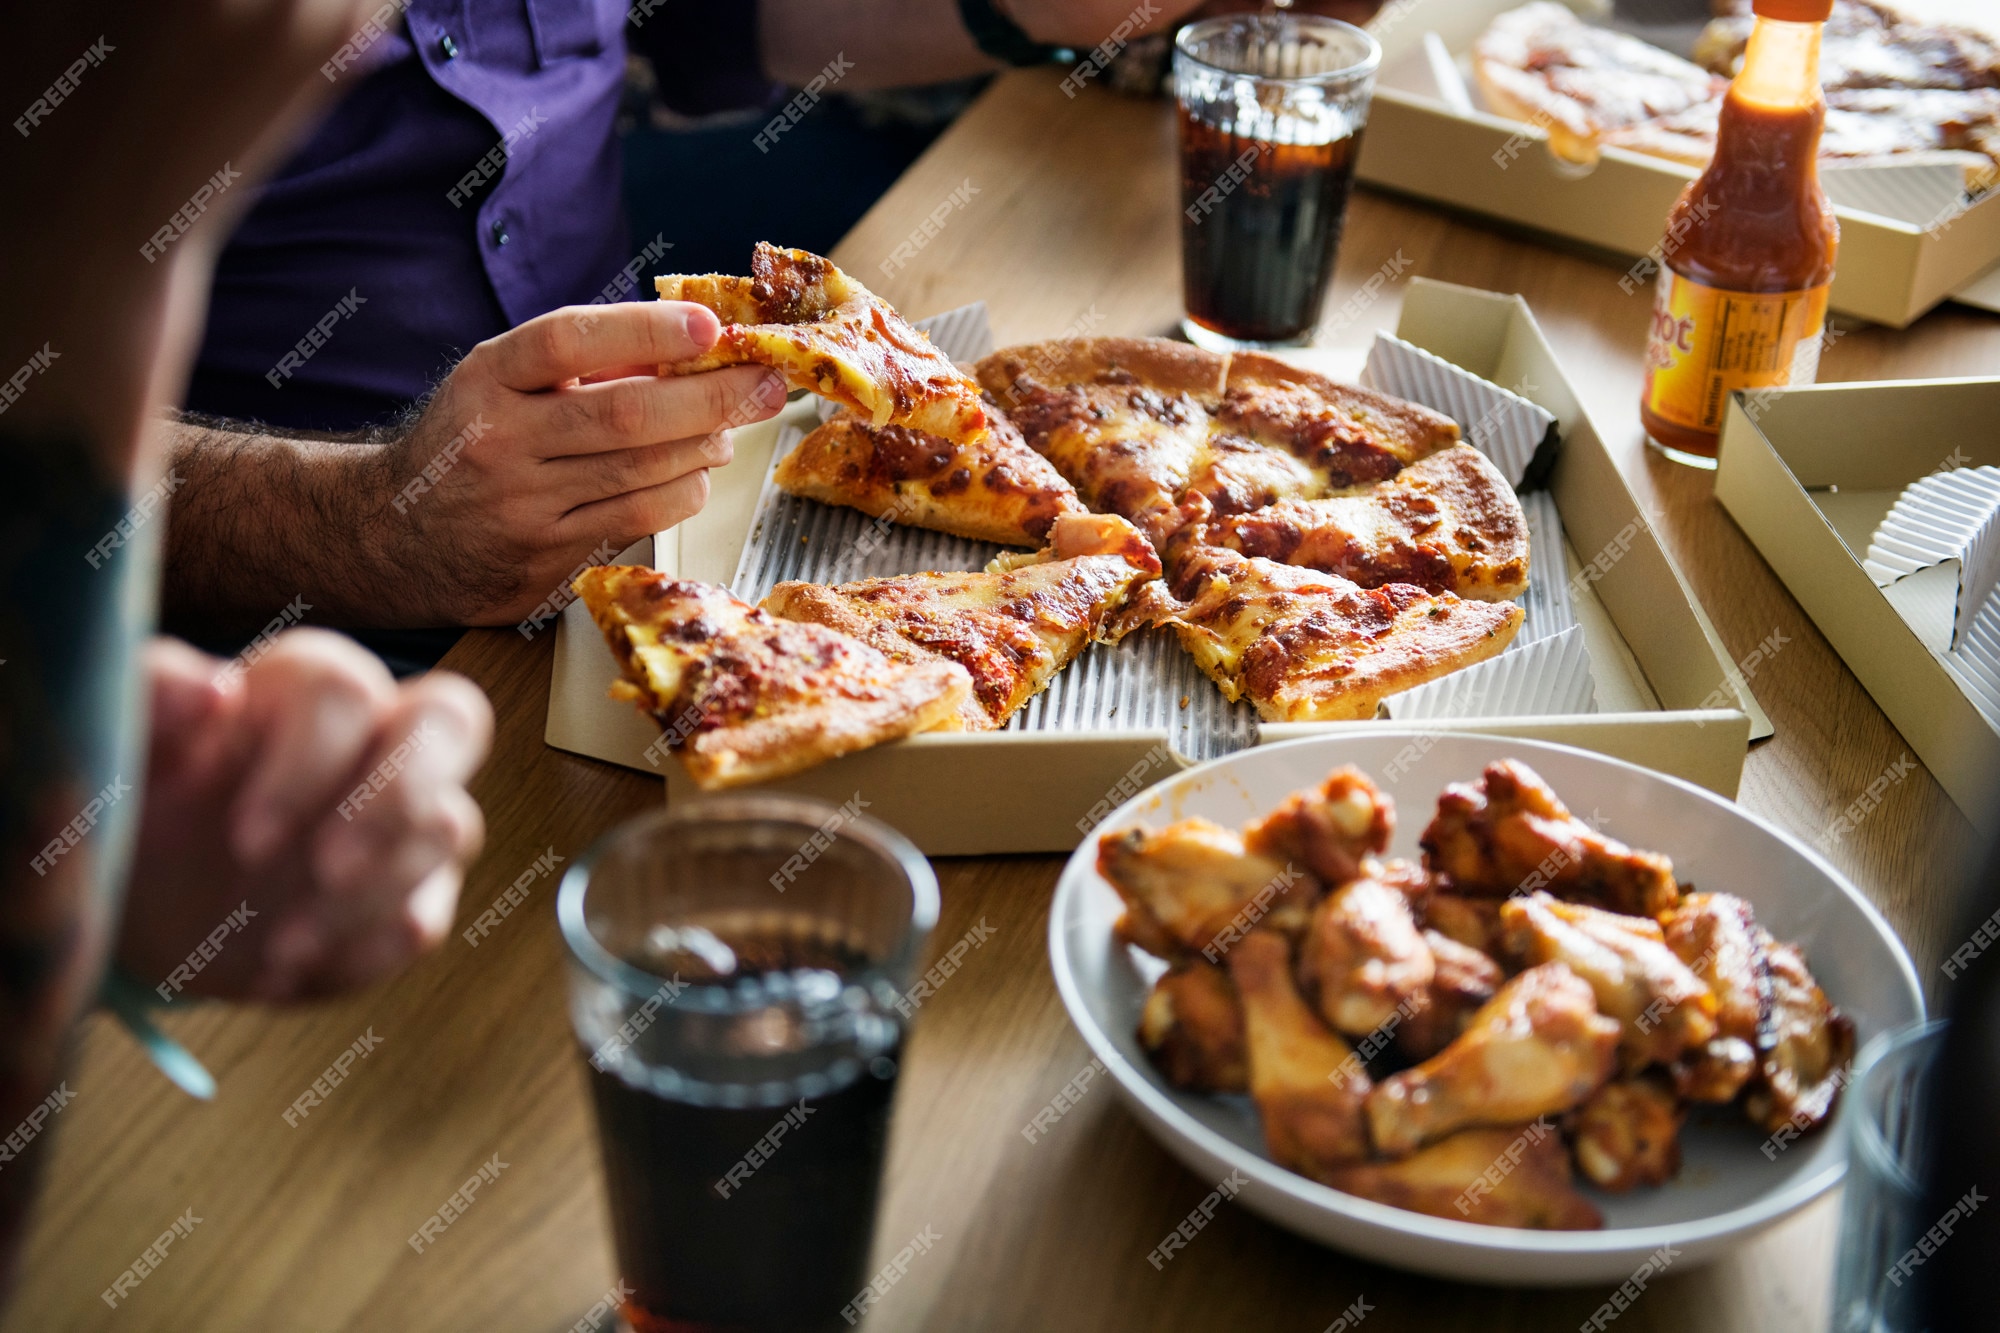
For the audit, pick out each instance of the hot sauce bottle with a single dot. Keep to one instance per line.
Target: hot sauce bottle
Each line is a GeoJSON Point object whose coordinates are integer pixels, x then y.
{"type": "Point", "coordinates": [1742, 298]}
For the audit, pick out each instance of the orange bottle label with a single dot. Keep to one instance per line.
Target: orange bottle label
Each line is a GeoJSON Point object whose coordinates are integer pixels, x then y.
{"type": "Point", "coordinates": [1707, 343]}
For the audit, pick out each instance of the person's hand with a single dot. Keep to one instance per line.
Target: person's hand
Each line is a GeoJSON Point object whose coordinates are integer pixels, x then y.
{"type": "Point", "coordinates": [550, 446]}
{"type": "Point", "coordinates": [305, 823]}
{"type": "Point", "coordinates": [1083, 24]}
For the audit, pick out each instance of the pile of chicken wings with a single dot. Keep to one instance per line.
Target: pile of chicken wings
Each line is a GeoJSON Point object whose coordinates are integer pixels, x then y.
{"type": "Point", "coordinates": [1451, 1037]}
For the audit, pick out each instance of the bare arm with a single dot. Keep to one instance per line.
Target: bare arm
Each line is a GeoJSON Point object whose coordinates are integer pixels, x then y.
{"type": "Point", "coordinates": [893, 42]}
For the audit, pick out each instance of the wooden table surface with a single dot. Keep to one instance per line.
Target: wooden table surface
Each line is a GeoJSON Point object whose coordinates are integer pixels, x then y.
{"type": "Point", "coordinates": [1073, 224]}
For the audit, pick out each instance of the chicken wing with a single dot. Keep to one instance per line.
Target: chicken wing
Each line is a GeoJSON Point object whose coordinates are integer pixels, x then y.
{"type": "Point", "coordinates": [1716, 935]}
{"type": "Point", "coordinates": [1628, 1134]}
{"type": "Point", "coordinates": [1510, 834]}
{"type": "Point", "coordinates": [1363, 958]}
{"type": "Point", "coordinates": [1539, 1046]}
{"type": "Point", "coordinates": [1803, 1048]}
{"type": "Point", "coordinates": [1473, 922]}
{"type": "Point", "coordinates": [1192, 1027]}
{"type": "Point", "coordinates": [1462, 979]}
{"type": "Point", "coordinates": [1307, 1083]}
{"type": "Point", "coordinates": [1514, 1177]}
{"type": "Point", "coordinates": [1328, 829]}
{"type": "Point", "coordinates": [1662, 1008]}
{"type": "Point", "coordinates": [1192, 880]}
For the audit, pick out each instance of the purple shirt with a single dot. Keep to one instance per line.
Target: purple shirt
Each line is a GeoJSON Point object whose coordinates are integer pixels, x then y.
{"type": "Point", "coordinates": [467, 180]}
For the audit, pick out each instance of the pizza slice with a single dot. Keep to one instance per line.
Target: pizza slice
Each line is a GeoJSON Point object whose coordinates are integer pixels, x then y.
{"type": "Point", "coordinates": [1448, 523]}
{"type": "Point", "coordinates": [1304, 646]}
{"type": "Point", "coordinates": [994, 489]}
{"type": "Point", "coordinates": [1012, 627]}
{"type": "Point", "coordinates": [745, 696]}
{"type": "Point", "coordinates": [1544, 65]}
{"type": "Point", "coordinates": [1344, 434]}
{"type": "Point", "coordinates": [1121, 418]}
{"type": "Point", "coordinates": [826, 332]}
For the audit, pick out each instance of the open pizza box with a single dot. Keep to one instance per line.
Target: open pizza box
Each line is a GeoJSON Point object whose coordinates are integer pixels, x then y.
{"type": "Point", "coordinates": [1666, 694]}
{"type": "Point", "coordinates": [1810, 475]}
{"type": "Point", "coordinates": [1909, 236]}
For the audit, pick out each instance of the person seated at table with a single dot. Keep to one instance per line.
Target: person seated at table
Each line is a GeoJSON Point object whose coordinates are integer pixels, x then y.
{"type": "Point", "coordinates": [465, 187]}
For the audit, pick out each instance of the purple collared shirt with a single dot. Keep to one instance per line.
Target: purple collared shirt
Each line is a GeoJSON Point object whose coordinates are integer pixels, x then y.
{"type": "Point", "coordinates": [467, 180]}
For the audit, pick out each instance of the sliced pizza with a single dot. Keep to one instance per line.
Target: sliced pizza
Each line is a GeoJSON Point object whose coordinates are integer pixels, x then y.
{"type": "Point", "coordinates": [1012, 627]}
{"type": "Point", "coordinates": [1345, 435]}
{"type": "Point", "coordinates": [745, 696]}
{"type": "Point", "coordinates": [1121, 418]}
{"type": "Point", "coordinates": [1544, 65]}
{"type": "Point", "coordinates": [1448, 523]}
{"type": "Point", "coordinates": [1304, 646]}
{"type": "Point", "coordinates": [994, 489]}
{"type": "Point", "coordinates": [826, 332]}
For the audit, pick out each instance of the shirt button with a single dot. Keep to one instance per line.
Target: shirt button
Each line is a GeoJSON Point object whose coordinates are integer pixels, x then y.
{"type": "Point", "coordinates": [500, 236]}
{"type": "Point", "coordinates": [448, 46]}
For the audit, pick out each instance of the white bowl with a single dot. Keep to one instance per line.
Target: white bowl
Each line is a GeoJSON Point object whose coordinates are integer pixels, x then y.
{"type": "Point", "coordinates": [1728, 1188]}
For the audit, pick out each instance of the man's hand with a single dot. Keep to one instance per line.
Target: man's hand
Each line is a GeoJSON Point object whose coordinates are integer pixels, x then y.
{"type": "Point", "coordinates": [305, 823]}
{"type": "Point", "coordinates": [550, 446]}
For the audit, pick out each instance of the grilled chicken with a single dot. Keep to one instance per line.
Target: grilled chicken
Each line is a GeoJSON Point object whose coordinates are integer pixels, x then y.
{"type": "Point", "coordinates": [1537, 1047]}
{"type": "Point", "coordinates": [1462, 980]}
{"type": "Point", "coordinates": [1329, 829]}
{"type": "Point", "coordinates": [1514, 1177]}
{"type": "Point", "coordinates": [1628, 1134]}
{"type": "Point", "coordinates": [1192, 1027]}
{"type": "Point", "coordinates": [1363, 958]}
{"type": "Point", "coordinates": [1717, 937]}
{"type": "Point", "coordinates": [1473, 922]}
{"type": "Point", "coordinates": [1803, 1048]}
{"type": "Point", "coordinates": [1307, 1083]}
{"type": "Point", "coordinates": [1188, 882]}
{"type": "Point", "coordinates": [1509, 833]}
{"type": "Point", "coordinates": [1662, 1008]}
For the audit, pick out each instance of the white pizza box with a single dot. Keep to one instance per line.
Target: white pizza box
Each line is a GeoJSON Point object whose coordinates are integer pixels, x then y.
{"type": "Point", "coordinates": [1809, 474]}
{"type": "Point", "coordinates": [1667, 694]}
{"type": "Point", "coordinates": [1424, 138]}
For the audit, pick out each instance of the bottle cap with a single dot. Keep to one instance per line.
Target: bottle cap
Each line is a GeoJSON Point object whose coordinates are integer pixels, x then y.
{"type": "Point", "coordinates": [1793, 11]}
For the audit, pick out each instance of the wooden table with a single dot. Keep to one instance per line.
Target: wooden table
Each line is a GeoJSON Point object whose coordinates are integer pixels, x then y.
{"type": "Point", "coordinates": [304, 1227]}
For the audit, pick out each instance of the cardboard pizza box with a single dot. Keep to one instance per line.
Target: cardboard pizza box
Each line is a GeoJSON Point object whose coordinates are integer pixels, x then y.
{"type": "Point", "coordinates": [1808, 474]}
{"type": "Point", "coordinates": [1667, 693]}
{"type": "Point", "coordinates": [1905, 243]}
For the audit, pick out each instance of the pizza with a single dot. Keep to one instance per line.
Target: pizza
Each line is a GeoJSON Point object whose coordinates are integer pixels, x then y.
{"type": "Point", "coordinates": [1304, 646]}
{"type": "Point", "coordinates": [826, 332]}
{"type": "Point", "coordinates": [993, 489]}
{"type": "Point", "coordinates": [1012, 627]}
{"type": "Point", "coordinates": [1121, 418]}
{"type": "Point", "coordinates": [1544, 65]}
{"type": "Point", "coordinates": [745, 696]}
{"type": "Point", "coordinates": [1864, 44]}
{"type": "Point", "coordinates": [1448, 523]}
{"type": "Point", "coordinates": [1347, 435]}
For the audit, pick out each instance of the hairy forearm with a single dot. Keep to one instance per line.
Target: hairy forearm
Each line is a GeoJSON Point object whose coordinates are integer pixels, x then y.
{"type": "Point", "coordinates": [259, 521]}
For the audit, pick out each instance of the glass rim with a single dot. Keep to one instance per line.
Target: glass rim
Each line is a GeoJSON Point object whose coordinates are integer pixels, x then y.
{"type": "Point", "coordinates": [1371, 58]}
{"type": "Point", "coordinates": [1866, 1131]}
{"type": "Point", "coordinates": [809, 814]}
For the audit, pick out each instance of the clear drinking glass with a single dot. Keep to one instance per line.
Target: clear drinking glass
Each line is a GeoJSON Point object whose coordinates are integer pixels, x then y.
{"type": "Point", "coordinates": [1271, 112]}
{"type": "Point", "coordinates": [735, 964]}
{"type": "Point", "coordinates": [1881, 1215]}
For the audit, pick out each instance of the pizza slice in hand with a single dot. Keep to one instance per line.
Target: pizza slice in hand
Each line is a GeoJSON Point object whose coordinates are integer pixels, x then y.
{"type": "Point", "coordinates": [1304, 646]}
{"type": "Point", "coordinates": [825, 332]}
{"type": "Point", "coordinates": [746, 697]}
{"type": "Point", "coordinates": [1122, 418]}
{"type": "Point", "coordinates": [994, 489]}
{"type": "Point", "coordinates": [1012, 627]}
{"type": "Point", "coordinates": [1447, 523]}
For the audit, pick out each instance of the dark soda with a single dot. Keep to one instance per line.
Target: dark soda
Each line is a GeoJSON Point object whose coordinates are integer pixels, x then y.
{"type": "Point", "coordinates": [1260, 228]}
{"type": "Point", "coordinates": [782, 1244]}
